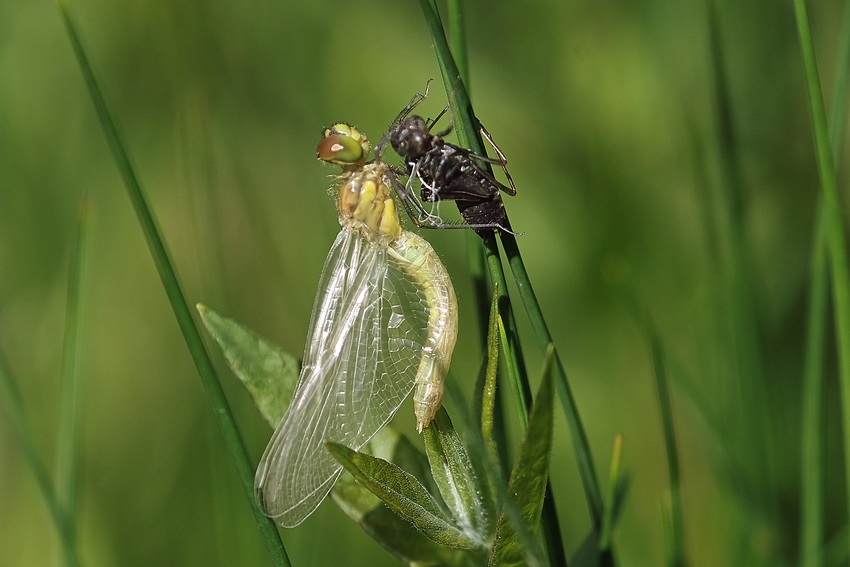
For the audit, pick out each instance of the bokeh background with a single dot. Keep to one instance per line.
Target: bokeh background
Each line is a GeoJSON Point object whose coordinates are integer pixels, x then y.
{"type": "Point", "coordinates": [608, 112]}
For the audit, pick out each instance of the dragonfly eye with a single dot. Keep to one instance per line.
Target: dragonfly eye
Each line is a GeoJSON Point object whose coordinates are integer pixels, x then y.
{"type": "Point", "coordinates": [344, 145]}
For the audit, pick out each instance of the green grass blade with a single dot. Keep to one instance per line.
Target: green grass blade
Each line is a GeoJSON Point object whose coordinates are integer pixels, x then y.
{"type": "Point", "coordinates": [587, 469]}
{"type": "Point", "coordinates": [613, 484]}
{"type": "Point", "coordinates": [469, 137]}
{"type": "Point", "coordinates": [677, 543]}
{"type": "Point", "coordinates": [529, 477]}
{"type": "Point", "coordinates": [67, 445]}
{"type": "Point", "coordinates": [754, 449]}
{"type": "Point", "coordinates": [176, 298]}
{"type": "Point", "coordinates": [13, 407]}
{"type": "Point", "coordinates": [457, 39]}
{"type": "Point", "coordinates": [811, 520]}
{"type": "Point", "coordinates": [833, 227]}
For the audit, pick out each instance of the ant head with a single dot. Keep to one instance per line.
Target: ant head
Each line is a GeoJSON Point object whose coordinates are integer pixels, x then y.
{"type": "Point", "coordinates": [412, 138]}
{"type": "Point", "coordinates": [343, 145]}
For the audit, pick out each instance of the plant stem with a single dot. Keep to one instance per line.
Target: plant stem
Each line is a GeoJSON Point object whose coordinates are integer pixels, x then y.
{"type": "Point", "coordinates": [14, 408]}
{"type": "Point", "coordinates": [833, 227]}
{"type": "Point", "coordinates": [67, 445]}
{"type": "Point", "coordinates": [676, 514]}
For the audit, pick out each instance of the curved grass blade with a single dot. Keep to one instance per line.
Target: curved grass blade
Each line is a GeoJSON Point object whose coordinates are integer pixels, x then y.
{"type": "Point", "coordinates": [610, 517]}
{"type": "Point", "coordinates": [393, 533]}
{"type": "Point", "coordinates": [469, 137]}
{"type": "Point", "coordinates": [595, 550]}
{"type": "Point", "coordinates": [170, 283]}
{"type": "Point", "coordinates": [456, 478]}
{"type": "Point", "coordinates": [528, 479]}
{"type": "Point", "coordinates": [677, 542]}
{"type": "Point", "coordinates": [403, 494]}
{"type": "Point", "coordinates": [485, 388]}
{"type": "Point", "coordinates": [267, 372]}
{"type": "Point", "coordinates": [833, 227]}
{"type": "Point", "coordinates": [811, 520]}
{"type": "Point", "coordinates": [67, 445]}
{"type": "Point", "coordinates": [12, 405]}
{"type": "Point", "coordinates": [753, 448]}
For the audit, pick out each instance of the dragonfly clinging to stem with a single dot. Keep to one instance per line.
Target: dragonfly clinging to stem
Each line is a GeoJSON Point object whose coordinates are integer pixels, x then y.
{"type": "Point", "coordinates": [384, 323]}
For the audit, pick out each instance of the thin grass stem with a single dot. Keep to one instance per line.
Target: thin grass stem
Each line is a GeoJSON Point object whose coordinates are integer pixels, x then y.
{"type": "Point", "coordinates": [829, 247]}
{"type": "Point", "coordinates": [469, 136]}
{"type": "Point", "coordinates": [176, 298]}
{"type": "Point", "coordinates": [677, 547]}
{"type": "Point", "coordinates": [756, 446]}
{"type": "Point", "coordinates": [11, 403]}
{"type": "Point", "coordinates": [67, 445]}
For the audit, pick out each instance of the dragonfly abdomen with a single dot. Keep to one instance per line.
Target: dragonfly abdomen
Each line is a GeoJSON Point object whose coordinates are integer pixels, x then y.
{"type": "Point", "coordinates": [416, 257]}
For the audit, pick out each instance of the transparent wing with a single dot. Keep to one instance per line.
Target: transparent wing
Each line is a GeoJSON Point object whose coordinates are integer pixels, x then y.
{"type": "Point", "coordinates": [364, 347]}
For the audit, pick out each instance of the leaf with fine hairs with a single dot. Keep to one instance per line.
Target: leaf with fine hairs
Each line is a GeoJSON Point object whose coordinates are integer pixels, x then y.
{"type": "Point", "coordinates": [527, 486]}
{"type": "Point", "coordinates": [267, 372]}
{"type": "Point", "coordinates": [390, 530]}
{"type": "Point", "coordinates": [456, 477]}
{"type": "Point", "coordinates": [403, 494]}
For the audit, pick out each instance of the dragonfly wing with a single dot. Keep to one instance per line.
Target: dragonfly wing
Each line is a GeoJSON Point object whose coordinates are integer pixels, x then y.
{"type": "Point", "coordinates": [364, 346]}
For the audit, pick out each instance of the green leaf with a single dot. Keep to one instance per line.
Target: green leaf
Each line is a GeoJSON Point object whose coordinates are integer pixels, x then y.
{"type": "Point", "coordinates": [486, 386]}
{"type": "Point", "coordinates": [267, 372]}
{"type": "Point", "coordinates": [456, 477]}
{"type": "Point", "coordinates": [392, 532]}
{"type": "Point", "coordinates": [612, 506]}
{"type": "Point", "coordinates": [527, 486]}
{"type": "Point", "coordinates": [403, 494]}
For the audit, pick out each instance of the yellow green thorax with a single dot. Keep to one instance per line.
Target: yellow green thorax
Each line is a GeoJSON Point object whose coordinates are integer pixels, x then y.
{"type": "Point", "coordinates": [366, 203]}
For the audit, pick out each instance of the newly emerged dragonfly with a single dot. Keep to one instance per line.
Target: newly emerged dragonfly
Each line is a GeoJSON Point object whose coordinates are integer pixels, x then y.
{"type": "Point", "coordinates": [447, 172]}
{"type": "Point", "coordinates": [384, 323]}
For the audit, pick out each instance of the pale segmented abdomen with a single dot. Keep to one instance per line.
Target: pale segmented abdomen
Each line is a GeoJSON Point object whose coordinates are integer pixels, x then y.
{"type": "Point", "coordinates": [418, 259]}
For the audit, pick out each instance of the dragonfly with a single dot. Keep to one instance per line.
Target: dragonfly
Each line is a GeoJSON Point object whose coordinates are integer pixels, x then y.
{"type": "Point", "coordinates": [384, 323]}
{"type": "Point", "coordinates": [447, 172]}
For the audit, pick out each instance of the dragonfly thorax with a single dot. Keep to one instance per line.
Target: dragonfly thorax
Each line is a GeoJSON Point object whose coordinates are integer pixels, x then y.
{"type": "Point", "coordinates": [366, 204]}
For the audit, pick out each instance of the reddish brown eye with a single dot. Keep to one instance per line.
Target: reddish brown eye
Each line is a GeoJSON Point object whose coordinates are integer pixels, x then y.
{"type": "Point", "coordinates": [330, 148]}
{"type": "Point", "coordinates": [343, 145]}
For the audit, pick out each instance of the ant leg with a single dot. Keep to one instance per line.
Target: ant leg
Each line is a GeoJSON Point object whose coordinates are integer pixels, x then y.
{"type": "Point", "coordinates": [503, 161]}
{"type": "Point", "coordinates": [414, 102]}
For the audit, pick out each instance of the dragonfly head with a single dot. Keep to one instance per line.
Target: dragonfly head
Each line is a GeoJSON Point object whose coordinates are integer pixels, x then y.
{"type": "Point", "coordinates": [343, 144]}
{"type": "Point", "coordinates": [412, 138]}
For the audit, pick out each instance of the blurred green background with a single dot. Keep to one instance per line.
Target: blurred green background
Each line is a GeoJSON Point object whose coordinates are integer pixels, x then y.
{"type": "Point", "coordinates": [607, 111]}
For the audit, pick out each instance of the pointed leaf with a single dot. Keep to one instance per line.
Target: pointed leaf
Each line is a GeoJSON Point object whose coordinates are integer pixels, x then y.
{"type": "Point", "coordinates": [268, 373]}
{"type": "Point", "coordinates": [486, 388]}
{"type": "Point", "coordinates": [392, 532]}
{"type": "Point", "coordinates": [403, 494]}
{"type": "Point", "coordinates": [456, 477]}
{"type": "Point", "coordinates": [613, 483]}
{"type": "Point", "coordinates": [528, 480]}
